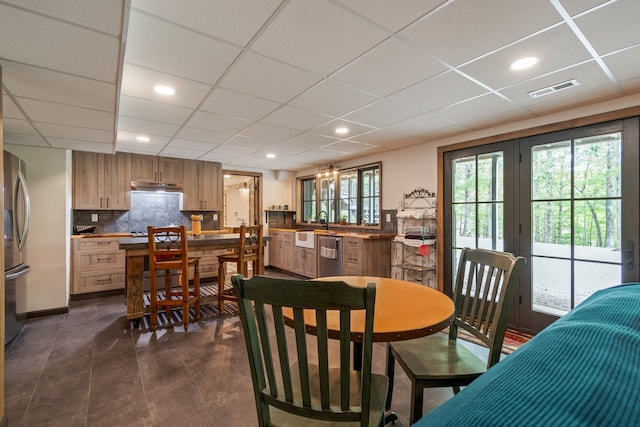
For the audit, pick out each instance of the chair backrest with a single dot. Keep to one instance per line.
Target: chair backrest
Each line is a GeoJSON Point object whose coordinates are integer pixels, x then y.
{"type": "Point", "coordinates": [250, 248]}
{"type": "Point", "coordinates": [167, 244]}
{"type": "Point", "coordinates": [289, 387]}
{"type": "Point", "coordinates": [483, 293]}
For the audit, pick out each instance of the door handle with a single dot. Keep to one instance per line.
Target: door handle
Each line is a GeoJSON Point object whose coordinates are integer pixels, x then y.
{"type": "Point", "coordinates": [627, 255]}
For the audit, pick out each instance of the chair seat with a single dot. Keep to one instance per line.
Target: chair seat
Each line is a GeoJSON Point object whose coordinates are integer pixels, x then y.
{"type": "Point", "coordinates": [379, 385]}
{"type": "Point", "coordinates": [175, 264]}
{"type": "Point", "coordinates": [438, 360]}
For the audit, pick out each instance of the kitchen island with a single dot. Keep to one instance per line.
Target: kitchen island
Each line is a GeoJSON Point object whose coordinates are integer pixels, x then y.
{"type": "Point", "coordinates": [136, 249]}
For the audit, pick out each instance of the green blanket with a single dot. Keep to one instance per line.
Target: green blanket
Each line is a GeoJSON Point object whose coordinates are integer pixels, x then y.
{"type": "Point", "coordinates": [583, 370]}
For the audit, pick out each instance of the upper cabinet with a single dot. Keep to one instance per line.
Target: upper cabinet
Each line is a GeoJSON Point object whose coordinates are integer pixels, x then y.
{"type": "Point", "coordinates": [101, 181]}
{"type": "Point", "coordinates": [156, 169]}
{"type": "Point", "coordinates": [202, 186]}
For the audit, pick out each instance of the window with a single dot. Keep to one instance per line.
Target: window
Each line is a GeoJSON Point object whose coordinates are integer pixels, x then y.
{"type": "Point", "coordinates": [352, 196]}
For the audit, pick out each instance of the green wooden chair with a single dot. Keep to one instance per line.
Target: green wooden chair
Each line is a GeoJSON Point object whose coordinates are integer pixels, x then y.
{"type": "Point", "coordinates": [319, 388]}
{"type": "Point", "coordinates": [483, 293]}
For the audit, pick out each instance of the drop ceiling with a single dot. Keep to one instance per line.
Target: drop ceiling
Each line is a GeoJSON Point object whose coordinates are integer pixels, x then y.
{"type": "Point", "coordinates": [254, 77]}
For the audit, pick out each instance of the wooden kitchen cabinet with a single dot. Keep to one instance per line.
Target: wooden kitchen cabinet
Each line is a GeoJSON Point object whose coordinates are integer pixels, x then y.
{"type": "Point", "coordinates": [281, 249]}
{"type": "Point", "coordinates": [202, 186]}
{"type": "Point", "coordinates": [156, 169]}
{"type": "Point", "coordinates": [98, 265]}
{"type": "Point", "coordinates": [305, 262]}
{"type": "Point", "coordinates": [366, 257]}
{"type": "Point", "coordinates": [101, 181]}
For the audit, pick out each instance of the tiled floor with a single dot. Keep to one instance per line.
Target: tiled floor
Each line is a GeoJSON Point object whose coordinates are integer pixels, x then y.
{"type": "Point", "coordinates": [90, 368]}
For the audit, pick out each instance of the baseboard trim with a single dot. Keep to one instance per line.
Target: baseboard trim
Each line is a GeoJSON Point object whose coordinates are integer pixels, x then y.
{"type": "Point", "coordinates": [42, 313]}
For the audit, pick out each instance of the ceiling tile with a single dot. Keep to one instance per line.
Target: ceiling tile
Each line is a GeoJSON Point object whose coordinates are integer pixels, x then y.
{"type": "Point", "coordinates": [311, 140]}
{"type": "Point", "coordinates": [329, 129]}
{"type": "Point", "coordinates": [146, 109]}
{"type": "Point", "coordinates": [332, 98]}
{"type": "Point", "coordinates": [160, 46]}
{"type": "Point", "coordinates": [188, 144]}
{"type": "Point", "coordinates": [391, 18]}
{"type": "Point", "coordinates": [145, 127]}
{"type": "Point", "coordinates": [557, 48]}
{"type": "Point", "coordinates": [238, 105]}
{"type": "Point", "coordinates": [347, 147]}
{"type": "Point", "coordinates": [202, 135]}
{"type": "Point", "coordinates": [217, 18]}
{"type": "Point", "coordinates": [217, 122]}
{"type": "Point", "coordinates": [100, 15]}
{"type": "Point", "coordinates": [50, 112]}
{"type": "Point", "coordinates": [23, 139]}
{"type": "Point", "coordinates": [269, 134]}
{"type": "Point", "coordinates": [138, 82]}
{"type": "Point", "coordinates": [624, 64]}
{"type": "Point", "coordinates": [276, 81]}
{"type": "Point", "coordinates": [612, 27]}
{"type": "Point", "coordinates": [389, 67]}
{"type": "Point", "coordinates": [317, 36]}
{"type": "Point", "coordinates": [18, 126]}
{"type": "Point", "coordinates": [464, 30]}
{"type": "Point", "coordinates": [129, 138]}
{"type": "Point", "coordinates": [9, 108]}
{"type": "Point", "coordinates": [61, 88]}
{"type": "Point", "coordinates": [591, 77]}
{"type": "Point", "coordinates": [80, 145]}
{"type": "Point", "coordinates": [73, 132]}
{"type": "Point", "coordinates": [574, 7]}
{"type": "Point", "coordinates": [488, 108]}
{"type": "Point", "coordinates": [58, 46]}
{"type": "Point", "coordinates": [296, 118]}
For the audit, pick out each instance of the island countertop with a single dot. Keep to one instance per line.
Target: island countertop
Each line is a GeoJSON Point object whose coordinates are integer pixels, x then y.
{"type": "Point", "coordinates": [219, 240]}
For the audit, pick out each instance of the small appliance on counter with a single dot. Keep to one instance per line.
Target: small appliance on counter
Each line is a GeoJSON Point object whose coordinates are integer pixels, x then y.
{"type": "Point", "coordinates": [16, 227]}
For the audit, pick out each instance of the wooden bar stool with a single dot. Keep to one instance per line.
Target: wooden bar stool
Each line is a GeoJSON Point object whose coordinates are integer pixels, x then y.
{"type": "Point", "coordinates": [168, 251]}
{"type": "Point", "coordinates": [249, 251]}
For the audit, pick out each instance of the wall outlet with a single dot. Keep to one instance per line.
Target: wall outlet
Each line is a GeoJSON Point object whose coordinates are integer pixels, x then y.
{"type": "Point", "coordinates": [215, 216]}
{"type": "Point", "coordinates": [94, 217]}
{"type": "Point", "coordinates": [388, 217]}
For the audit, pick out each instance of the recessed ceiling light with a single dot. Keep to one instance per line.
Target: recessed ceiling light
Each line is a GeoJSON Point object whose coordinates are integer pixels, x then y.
{"type": "Point", "coordinates": [142, 138]}
{"type": "Point", "coordinates": [342, 130]}
{"type": "Point", "coordinates": [271, 156]}
{"type": "Point", "coordinates": [164, 90]}
{"type": "Point", "coordinates": [524, 63]}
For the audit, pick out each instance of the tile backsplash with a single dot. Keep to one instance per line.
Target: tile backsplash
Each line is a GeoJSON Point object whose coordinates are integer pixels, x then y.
{"type": "Point", "coordinates": [147, 208]}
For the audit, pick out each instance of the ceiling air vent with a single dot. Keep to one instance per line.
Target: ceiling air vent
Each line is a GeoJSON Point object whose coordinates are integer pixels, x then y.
{"type": "Point", "coordinates": [553, 89]}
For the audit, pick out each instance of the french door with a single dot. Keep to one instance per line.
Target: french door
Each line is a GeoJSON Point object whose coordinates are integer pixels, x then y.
{"type": "Point", "coordinates": [566, 201]}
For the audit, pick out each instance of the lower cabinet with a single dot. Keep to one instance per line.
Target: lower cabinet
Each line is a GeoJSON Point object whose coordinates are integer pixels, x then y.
{"type": "Point", "coordinates": [98, 265]}
{"type": "Point", "coordinates": [366, 257]}
{"type": "Point", "coordinates": [281, 249]}
{"type": "Point", "coordinates": [208, 265]}
{"type": "Point", "coordinates": [305, 262]}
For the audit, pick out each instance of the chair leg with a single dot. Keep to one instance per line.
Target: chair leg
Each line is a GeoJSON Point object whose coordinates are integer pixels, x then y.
{"type": "Point", "coordinates": [417, 391]}
{"type": "Point", "coordinates": [196, 290]}
{"type": "Point", "coordinates": [391, 365]}
{"type": "Point", "coordinates": [184, 285]}
{"type": "Point", "coordinates": [167, 292]}
{"type": "Point", "coordinates": [153, 309]}
{"type": "Point", "coordinates": [221, 268]}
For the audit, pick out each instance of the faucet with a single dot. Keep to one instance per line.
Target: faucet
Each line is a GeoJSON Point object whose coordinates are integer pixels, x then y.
{"type": "Point", "coordinates": [324, 222]}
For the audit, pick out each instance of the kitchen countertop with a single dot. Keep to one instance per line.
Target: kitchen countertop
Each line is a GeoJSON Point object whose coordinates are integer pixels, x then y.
{"type": "Point", "coordinates": [339, 233]}
{"type": "Point", "coordinates": [84, 236]}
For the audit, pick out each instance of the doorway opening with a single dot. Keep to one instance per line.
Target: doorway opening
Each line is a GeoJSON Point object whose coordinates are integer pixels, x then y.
{"type": "Point", "coordinates": [242, 201]}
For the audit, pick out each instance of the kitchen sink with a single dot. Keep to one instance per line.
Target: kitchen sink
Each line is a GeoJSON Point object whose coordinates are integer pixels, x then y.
{"type": "Point", "coordinates": [305, 239]}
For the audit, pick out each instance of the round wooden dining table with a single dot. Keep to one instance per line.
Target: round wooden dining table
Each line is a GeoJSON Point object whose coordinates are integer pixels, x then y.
{"type": "Point", "coordinates": [403, 310]}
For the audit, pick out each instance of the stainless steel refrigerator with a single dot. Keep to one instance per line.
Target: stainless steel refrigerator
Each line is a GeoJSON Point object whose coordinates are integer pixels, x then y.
{"type": "Point", "coordinates": [16, 227]}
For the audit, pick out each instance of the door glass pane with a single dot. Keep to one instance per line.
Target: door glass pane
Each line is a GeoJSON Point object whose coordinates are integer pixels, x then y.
{"type": "Point", "coordinates": [490, 166]}
{"type": "Point", "coordinates": [348, 202]}
{"type": "Point", "coordinates": [552, 292]}
{"type": "Point", "coordinates": [327, 199]}
{"type": "Point", "coordinates": [575, 220]}
{"type": "Point", "coordinates": [464, 179]}
{"type": "Point", "coordinates": [551, 171]}
{"type": "Point", "coordinates": [464, 231]}
{"type": "Point", "coordinates": [551, 228]}
{"type": "Point", "coordinates": [490, 223]}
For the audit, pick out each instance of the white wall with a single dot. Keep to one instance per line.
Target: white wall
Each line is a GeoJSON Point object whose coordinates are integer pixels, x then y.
{"type": "Point", "coordinates": [49, 180]}
{"type": "Point", "coordinates": [237, 207]}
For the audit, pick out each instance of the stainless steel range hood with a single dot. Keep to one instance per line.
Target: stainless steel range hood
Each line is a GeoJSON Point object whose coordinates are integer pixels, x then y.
{"type": "Point", "coordinates": [156, 186]}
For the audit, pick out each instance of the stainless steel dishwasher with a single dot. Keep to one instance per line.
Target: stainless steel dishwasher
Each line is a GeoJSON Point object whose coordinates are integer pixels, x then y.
{"type": "Point", "coordinates": [329, 256]}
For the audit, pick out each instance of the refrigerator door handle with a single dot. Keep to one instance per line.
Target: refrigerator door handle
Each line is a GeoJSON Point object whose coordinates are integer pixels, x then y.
{"type": "Point", "coordinates": [16, 272]}
{"type": "Point", "coordinates": [21, 187]}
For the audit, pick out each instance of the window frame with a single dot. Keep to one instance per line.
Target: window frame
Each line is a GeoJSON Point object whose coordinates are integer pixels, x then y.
{"type": "Point", "coordinates": [331, 204]}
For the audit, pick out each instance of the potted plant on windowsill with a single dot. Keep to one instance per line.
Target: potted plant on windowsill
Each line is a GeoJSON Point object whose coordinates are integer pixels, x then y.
{"type": "Point", "coordinates": [343, 220]}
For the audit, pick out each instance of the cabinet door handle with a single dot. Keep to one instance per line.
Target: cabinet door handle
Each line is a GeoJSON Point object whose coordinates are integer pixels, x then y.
{"type": "Point", "coordinates": [160, 176]}
{"type": "Point", "coordinates": [108, 259]}
{"type": "Point", "coordinates": [103, 281]}
{"type": "Point", "coordinates": [107, 203]}
{"type": "Point", "coordinates": [100, 201]}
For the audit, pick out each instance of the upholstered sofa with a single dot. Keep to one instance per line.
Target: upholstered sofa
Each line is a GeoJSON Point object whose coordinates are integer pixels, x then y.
{"type": "Point", "coordinates": [583, 370]}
